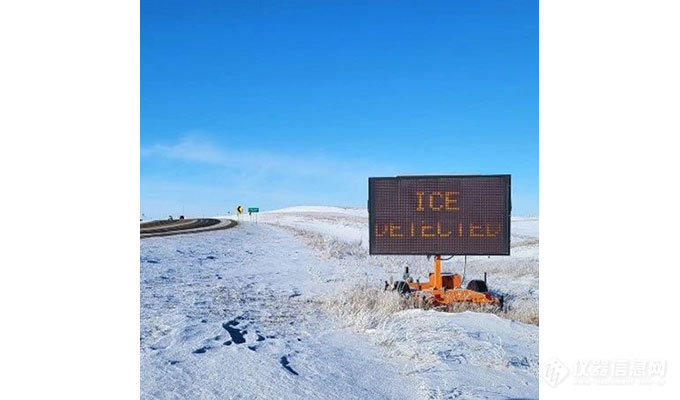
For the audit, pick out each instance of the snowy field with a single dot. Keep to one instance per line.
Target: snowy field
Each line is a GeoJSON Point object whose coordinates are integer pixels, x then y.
{"type": "Point", "coordinates": [273, 310]}
{"type": "Point", "coordinates": [345, 232]}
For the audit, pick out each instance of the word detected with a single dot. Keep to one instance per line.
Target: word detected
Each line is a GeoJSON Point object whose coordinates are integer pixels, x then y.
{"type": "Point", "coordinates": [423, 230]}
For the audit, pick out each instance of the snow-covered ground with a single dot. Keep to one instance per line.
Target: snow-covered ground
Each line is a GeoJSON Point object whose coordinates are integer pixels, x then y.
{"type": "Point", "coordinates": [346, 230]}
{"type": "Point", "coordinates": [263, 311]}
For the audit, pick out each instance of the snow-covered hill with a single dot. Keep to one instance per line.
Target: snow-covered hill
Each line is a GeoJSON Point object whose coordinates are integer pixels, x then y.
{"type": "Point", "coordinates": [291, 308]}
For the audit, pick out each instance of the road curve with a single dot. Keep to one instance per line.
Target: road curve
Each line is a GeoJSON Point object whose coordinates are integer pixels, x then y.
{"type": "Point", "coordinates": [180, 226]}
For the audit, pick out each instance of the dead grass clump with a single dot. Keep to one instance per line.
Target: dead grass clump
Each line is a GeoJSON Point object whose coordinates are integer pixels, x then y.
{"type": "Point", "coordinates": [368, 307]}
{"type": "Point", "coordinates": [365, 306]}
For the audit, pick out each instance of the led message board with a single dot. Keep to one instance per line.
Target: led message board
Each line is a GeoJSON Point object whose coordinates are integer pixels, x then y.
{"type": "Point", "coordinates": [454, 214]}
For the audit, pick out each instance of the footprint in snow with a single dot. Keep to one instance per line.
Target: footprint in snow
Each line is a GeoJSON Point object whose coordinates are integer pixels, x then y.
{"type": "Point", "coordinates": [201, 350]}
{"type": "Point", "coordinates": [235, 333]}
{"type": "Point", "coordinates": [286, 364]}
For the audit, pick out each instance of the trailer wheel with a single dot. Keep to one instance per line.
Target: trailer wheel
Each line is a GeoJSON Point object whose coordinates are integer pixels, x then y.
{"type": "Point", "coordinates": [402, 287]}
{"type": "Point", "coordinates": [477, 285]}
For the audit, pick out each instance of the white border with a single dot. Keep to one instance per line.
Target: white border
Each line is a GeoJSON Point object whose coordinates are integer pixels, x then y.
{"type": "Point", "coordinates": [69, 284]}
{"type": "Point", "coordinates": [608, 189]}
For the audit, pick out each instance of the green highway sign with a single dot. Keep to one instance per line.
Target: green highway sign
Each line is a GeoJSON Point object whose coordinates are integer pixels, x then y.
{"type": "Point", "coordinates": [253, 209]}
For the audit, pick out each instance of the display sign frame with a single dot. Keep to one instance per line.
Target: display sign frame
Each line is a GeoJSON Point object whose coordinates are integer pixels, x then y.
{"type": "Point", "coordinates": [414, 247]}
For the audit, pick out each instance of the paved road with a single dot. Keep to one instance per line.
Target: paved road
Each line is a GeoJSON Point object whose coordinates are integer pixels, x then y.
{"type": "Point", "coordinates": [176, 227]}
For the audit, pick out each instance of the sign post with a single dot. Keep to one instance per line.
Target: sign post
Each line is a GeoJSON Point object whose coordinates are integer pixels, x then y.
{"type": "Point", "coordinates": [239, 211]}
{"type": "Point", "coordinates": [251, 211]}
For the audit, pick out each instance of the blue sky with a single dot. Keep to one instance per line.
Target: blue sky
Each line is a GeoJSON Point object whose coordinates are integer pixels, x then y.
{"type": "Point", "coordinates": [273, 103]}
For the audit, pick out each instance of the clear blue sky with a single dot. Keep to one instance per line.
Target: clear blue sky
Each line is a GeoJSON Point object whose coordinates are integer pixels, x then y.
{"type": "Point", "coordinates": [280, 103]}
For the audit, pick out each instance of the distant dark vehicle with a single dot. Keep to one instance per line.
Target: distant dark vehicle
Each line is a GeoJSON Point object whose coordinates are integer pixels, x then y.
{"type": "Point", "coordinates": [169, 217]}
{"type": "Point", "coordinates": [181, 217]}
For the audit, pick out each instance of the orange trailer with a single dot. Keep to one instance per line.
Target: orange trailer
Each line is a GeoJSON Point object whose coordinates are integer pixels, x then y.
{"type": "Point", "coordinates": [445, 288]}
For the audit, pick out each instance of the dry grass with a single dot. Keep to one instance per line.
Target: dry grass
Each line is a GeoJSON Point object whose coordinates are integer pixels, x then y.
{"type": "Point", "coordinates": [326, 247]}
{"type": "Point", "coordinates": [366, 304]}
{"type": "Point", "coordinates": [368, 307]}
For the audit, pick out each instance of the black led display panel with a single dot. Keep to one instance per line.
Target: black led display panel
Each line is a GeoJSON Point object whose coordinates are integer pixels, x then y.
{"type": "Point", "coordinates": [452, 214]}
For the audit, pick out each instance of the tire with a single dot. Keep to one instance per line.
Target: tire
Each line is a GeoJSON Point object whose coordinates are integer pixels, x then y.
{"type": "Point", "coordinates": [477, 285]}
{"type": "Point", "coordinates": [401, 287]}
